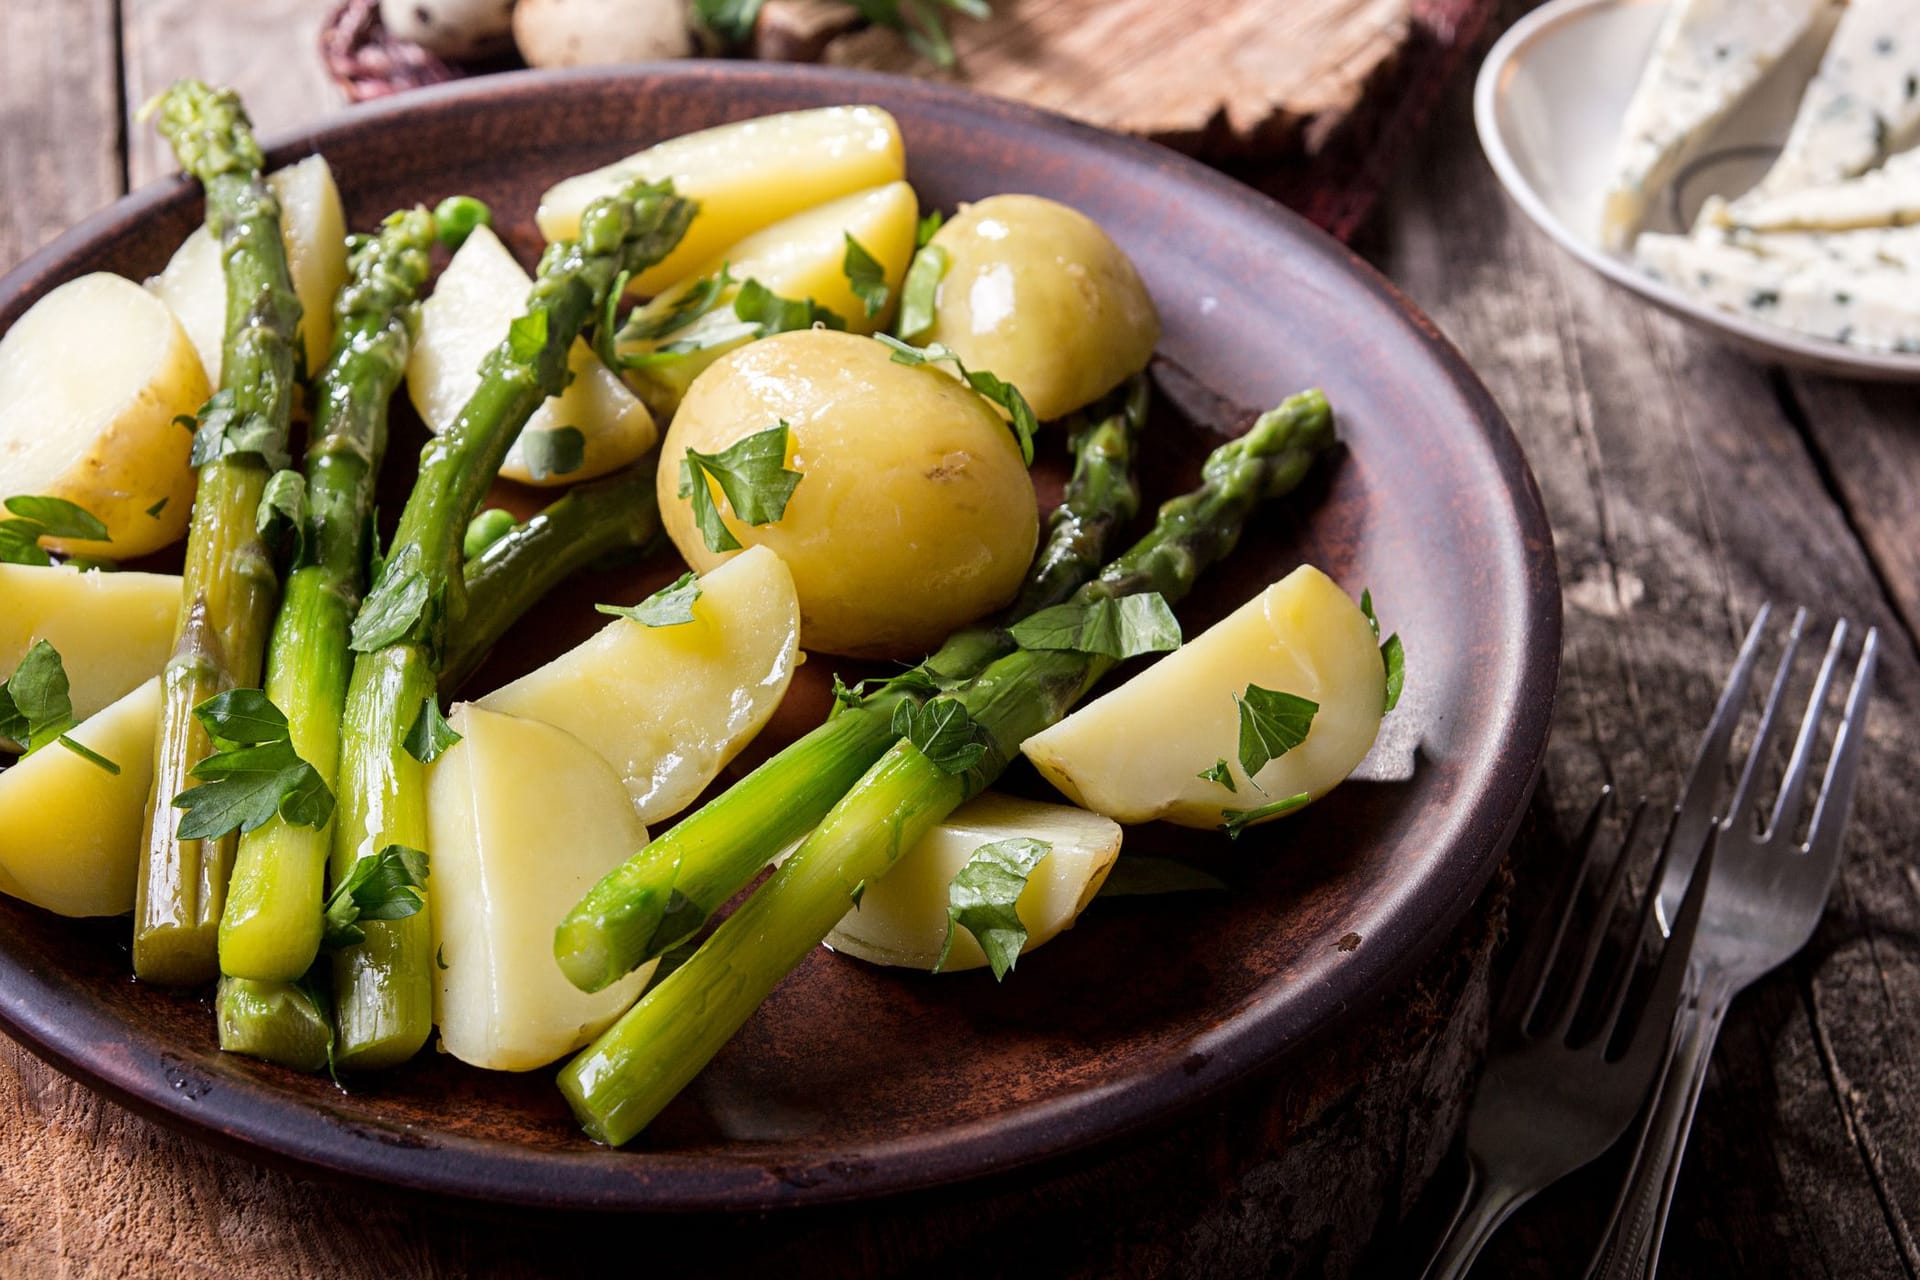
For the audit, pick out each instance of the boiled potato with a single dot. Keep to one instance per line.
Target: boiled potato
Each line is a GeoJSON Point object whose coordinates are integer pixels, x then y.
{"type": "Point", "coordinates": [69, 829]}
{"type": "Point", "coordinates": [91, 379]}
{"type": "Point", "coordinates": [522, 820]}
{"type": "Point", "coordinates": [914, 513]}
{"type": "Point", "coordinates": [598, 33]}
{"type": "Point", "coordinates": [457, 29]}
{"type": "Point", "coordinates": [902, 917]}
{"type": "Point", "coordinates": [478, 296]}
{"type": "Point", "coordinates": [1135, 754]}
{"type": "Point", "coordinates": [668, 706]}
{"type": "Point", "coordinates": [746, 176]}
{"type": "Point", "coordinates": [800, 257]}
{"type": "Point", "coordinates": [1041, 296]}
{"type": "Point", "coordinates": [113, 630]}
{"type": "Point", "coordinates": [314, 228]}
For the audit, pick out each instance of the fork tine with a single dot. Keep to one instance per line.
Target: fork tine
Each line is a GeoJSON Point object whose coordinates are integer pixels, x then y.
{"type": "Point", "coordinates": [1787, 806]}
{"type": "Point", "coordinates": [1622, 980]}
{"type": "Point", "coordinates": [1694, 812]}
{"type": "Point", "coordinates": [1597, 928]}
{"type": "Point", "coordinates": [1653, 1031]}
{"type": "Point", "coordinates": [1746, 800]}
{"type": "Point", "coordinates": [1536, 961]}
{"type": "Point", "coordinates": [1843, 769]}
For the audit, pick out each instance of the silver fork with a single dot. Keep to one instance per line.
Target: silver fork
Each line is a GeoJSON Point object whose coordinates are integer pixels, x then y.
{"type": "Point", "coordinates": [1552, 1100]}
{"type": "Point", "coordinates": [1762, 904]}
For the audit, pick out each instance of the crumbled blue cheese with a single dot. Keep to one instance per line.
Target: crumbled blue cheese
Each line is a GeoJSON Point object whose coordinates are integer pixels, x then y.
{"type": "Point", "coordinates": [1862, 104]}
{"type": "Point", "coordinates": [1891, 249]}
{"type": "Point", "coordinates": [1873, 310]}
{"type": "Point", "coordinates": [1708, 56]}
{"type": "Point", "coordinates": [1885, 197]}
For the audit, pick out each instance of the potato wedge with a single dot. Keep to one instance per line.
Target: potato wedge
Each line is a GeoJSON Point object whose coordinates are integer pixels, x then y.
{"type": "Point", "coordinates": [91, 380]}
{"type": "Point", "coordinates": [799, 257]}
{"type": "Point", "coordinates": [669, 706]}
{"type": "Point", "coordinates": [504, 873]}
{"type": "Point", "coordinates": [914, 513]}
{"type": "Point", "coordinates": [113, 630]}
{"type": "Point", "coordinates": [902, 917]}
{"type": "Point", "coordinates": [1039, 294]}
{"type": "Point", "coordinates": [482, 291]}
{"type": "Point", "coordinates": [70, 829]}
{"type": "Point", "coordinates": [746, 176]}
{"type": "Point", "coordinates": [1136, 754]}
{"type": "Point", "coordinates": [314, 227]}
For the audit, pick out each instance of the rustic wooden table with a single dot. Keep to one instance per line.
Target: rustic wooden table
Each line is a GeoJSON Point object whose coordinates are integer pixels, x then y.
{"type": "Point", "coordinates": [1686, 485]}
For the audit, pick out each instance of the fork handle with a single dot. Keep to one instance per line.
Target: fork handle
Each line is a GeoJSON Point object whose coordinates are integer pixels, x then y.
{"type": "Point", "coordinates": [1630, 1248]}
{"type": "Point", "coordinates": [1485, 1203]}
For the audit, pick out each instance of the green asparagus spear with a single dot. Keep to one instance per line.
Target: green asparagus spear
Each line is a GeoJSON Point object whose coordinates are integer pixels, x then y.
{"type": "Point", "coordinates": [623, 1079]}
{"type": "Point", "coordinates": [228, 585]}
{"type": "Point", "coordinates": [279, 1021]}
{"type": "Point", "coordinates": [666, 891]}
{"type": "Point", "coordinates": [618, 512]}
{"type": "Point", "coordinates": [270, 930]}
{"type": "Point", "coordinates": [383, 985]}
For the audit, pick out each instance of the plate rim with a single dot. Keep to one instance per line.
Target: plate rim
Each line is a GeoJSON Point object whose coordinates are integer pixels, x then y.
{"type": "Point", "coordinates": [253, 1118]}
{"type": "Point", "coordinates": [1782, 344]}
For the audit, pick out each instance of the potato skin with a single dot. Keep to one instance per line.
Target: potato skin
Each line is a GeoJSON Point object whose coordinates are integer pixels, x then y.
{"type": "Point", "coordinates": [915, 514]}
{"type": "Point", "coordinates": [1038, 294]}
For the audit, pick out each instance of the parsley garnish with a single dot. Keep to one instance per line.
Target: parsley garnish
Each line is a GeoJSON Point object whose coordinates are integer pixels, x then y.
{"type": "Point", "coordinates": [751, 472]}
{"type": "Point", "coordinates": [982, 899]}
{"type": "Point", "coordinates": [920, 290]}
{"type": "Point", "coordinates": [943, 731]}
{"type": "Point", "coordinates": [397, 603]}
{"type": "Point", "coordinates": [155, 510]}
{"type": "Point", "coordinates": [558, 452]}
{"type": "Point", "coordinates": [866, 276]}
{"type": "Point", "coordinates": [440, 957]}
{"type": "Point", "coordinates": [1271, 724]}
{"type": "Point", "coordinates": [253, 774]}
{"type": "Point", "coordinates": [760, 305]}
{"type": "Point", "coordinates": [1004, 394]}
{"type": "Point", "coordinates": [670, 606]}
{"type": "Point", "coordinates": [928, 225]}
{"type": "Point", "coordinates": [34, 518]}
{"type": "Point", "coordinates": [220, 430]}
{"type": "Point", "coordinates": [1234, 821]}
{"type": "Point", "coordinates": [430, 735]}
{"type": "Point", "coordinates": [1136, 875]}
{"type": "Point", "coordinates": [527, 336]}
{"type": "Point", "coordinates": [388, 885]}
{"type": "Point", "coordinates": [1393, 654]}
{"type": "Point", "coordinates": [670, 313]}
{"type": "Point", "coordinates": [36, 707]}
{"type": "Point", "coordinates": [283, 510]}
{"type": "Point", "coordinates": [1122, 628]}
{"type": "Point", "coordinates": [1221, 774]}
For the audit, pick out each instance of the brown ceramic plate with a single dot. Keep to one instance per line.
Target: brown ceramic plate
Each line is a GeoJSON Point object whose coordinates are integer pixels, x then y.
{"type": "Point", "coordinates": [854, 1081]}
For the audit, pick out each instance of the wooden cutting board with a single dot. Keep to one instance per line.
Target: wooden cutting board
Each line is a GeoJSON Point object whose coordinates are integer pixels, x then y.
{"type": "Point", "coordinates": [1310, 100]}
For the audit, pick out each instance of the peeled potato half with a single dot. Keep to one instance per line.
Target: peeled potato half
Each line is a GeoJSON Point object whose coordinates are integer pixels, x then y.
{"type": "Point", "coordinates": [746, 176]}
{"type": "Point", "coordinates": [1136, 754]}
{"type": "Point", "coordinates": [91, 380]}
{"type": "Point", "coordinates": [479, 295]}
{"type": "Point", "coordinates": [112, 630]}
{"type": "Point", "coordinates": [668, 706]}
{"type": "Point", "coordinates": [902, 917]}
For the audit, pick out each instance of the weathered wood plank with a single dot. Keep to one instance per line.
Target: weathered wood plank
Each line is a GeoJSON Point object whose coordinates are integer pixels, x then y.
{"type": "Point", "coordinates": [59, 113]}
{"type": "Point", "coordinates": [267, 49]}
{"type": "Point", "coordinates": [1682, 494]}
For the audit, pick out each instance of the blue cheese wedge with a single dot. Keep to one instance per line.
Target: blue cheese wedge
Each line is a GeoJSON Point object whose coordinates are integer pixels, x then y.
{"type": "Point", "coordinates": [1708, 56]}
{"type": "Point", "coordinates": [1873, 310]}
{"type": "Point", "coordinates": [1886, 197]}
{"type": "Point", "coordinates": [1863, 103]}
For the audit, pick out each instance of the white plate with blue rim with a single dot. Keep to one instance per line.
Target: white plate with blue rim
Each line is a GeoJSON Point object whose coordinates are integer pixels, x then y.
{"type": "Point", "coordinates": [1548, 106]}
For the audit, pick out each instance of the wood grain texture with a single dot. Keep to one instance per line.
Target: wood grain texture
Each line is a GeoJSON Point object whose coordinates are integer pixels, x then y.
{"type": "Point", "coordinates": [264, 48]}
{"type": "Point", "coordinates": [1686, 485]}
{"type": "Point", "coordinates": [1219, 78]}
{"type": "Point", "coordinates": [60, 102]}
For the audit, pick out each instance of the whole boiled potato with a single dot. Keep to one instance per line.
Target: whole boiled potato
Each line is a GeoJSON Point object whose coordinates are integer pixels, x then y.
{"type": "Point", "coordinates": [451, 28]}
{"type": "Point", "coordinates": [1038, 294]}
{"type": "Point", "coordinates": [583, 33]}
{"type": "Point", "coordinates": [914, 513]}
